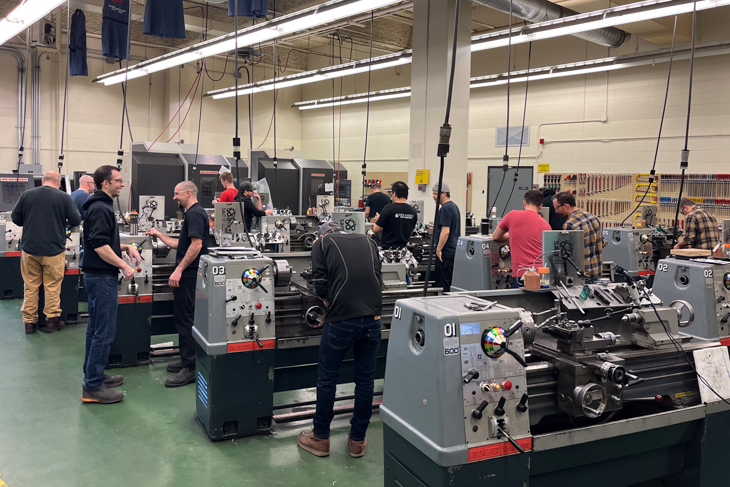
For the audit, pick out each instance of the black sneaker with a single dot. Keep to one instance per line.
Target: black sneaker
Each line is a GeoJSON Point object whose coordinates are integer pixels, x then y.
{"type": "Point", "coordinates": [174, 367]}
{"type": "Point", "coordinates": [182, 378]}
{"type": "Point", "coordinates": [113, 380]}
{"type": "Point", "coordinates": [102, 396]}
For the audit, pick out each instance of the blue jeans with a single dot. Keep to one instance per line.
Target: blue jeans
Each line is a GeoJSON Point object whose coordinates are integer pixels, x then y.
{"type": "Point", "coordinates": [517, 283]}
{"type": "Point", "coordinates": [364, 334]}
{"type": "Point", "coordinates": [102, 326]}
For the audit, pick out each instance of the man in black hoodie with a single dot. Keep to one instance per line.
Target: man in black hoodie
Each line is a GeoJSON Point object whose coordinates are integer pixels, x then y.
{"type": "Point", "coordinates": [346, 272]}
{"type": "Point", "coordinates": [556, 221]}
{"type": "Point", "coordinates": [250, 209]}
{"type": "Point", "coordinates": [102, 263]}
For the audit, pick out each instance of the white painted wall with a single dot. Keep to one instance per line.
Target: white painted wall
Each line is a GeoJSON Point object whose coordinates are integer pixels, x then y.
{"type": "Point", "coordinates": [630, 99]}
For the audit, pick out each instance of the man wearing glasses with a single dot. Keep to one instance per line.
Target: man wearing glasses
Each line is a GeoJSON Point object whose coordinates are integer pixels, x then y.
{"type": "Point", "coordinates": [577, 219]}
{"type": "Point", "coordinates": [102, 263]}
{"type": "Point", "coordinates": [193, 243]}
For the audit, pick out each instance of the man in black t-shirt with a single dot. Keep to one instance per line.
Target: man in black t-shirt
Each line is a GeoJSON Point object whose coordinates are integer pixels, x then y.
{"type": "Point", "coordinates": [397, 220]}
{"type": "Point", "coordinates": [448, 230]}
{"type": "Point", "coordinates": [193, 243]}
{"type": "Point", "coordinates": [375, 203]}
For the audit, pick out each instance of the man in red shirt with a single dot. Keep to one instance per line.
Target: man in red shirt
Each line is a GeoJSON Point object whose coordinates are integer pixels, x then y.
{"type": "Point", "coordinates": [524, 231]}
{"type": "Point", "coordinates": [229, 195]}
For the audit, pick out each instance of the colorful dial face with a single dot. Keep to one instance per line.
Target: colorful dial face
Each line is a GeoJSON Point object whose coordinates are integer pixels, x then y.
{"type": "Point", "coordinates": [370, 233]}
{"type": "Point", "coordinates": [726, 280]}
{"type": "Point", "coordinates": [279, 224]}
{"type": "Point", "coordinates": [251, 278]}
{"type": "Point", "coordinates": [644, 238]}
{"type": "Point", "coordinates": [494, 343]}
{"type": "Point", "coordinates": [504, 252]}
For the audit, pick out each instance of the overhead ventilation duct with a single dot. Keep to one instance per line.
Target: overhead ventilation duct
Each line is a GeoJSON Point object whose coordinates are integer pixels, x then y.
{"type": "Point", "coordinates": [542, 10]}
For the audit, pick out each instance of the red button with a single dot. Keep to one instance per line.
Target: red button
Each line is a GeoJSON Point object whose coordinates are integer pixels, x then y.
{"type": "Point", "coordinates": [68, 249]}
{"type": "Point", "coordinates": [139, 269]}
{"type": "Point", "coordinates": [507, 384]}
{"type": "Point", "coordinates": [258, 305]}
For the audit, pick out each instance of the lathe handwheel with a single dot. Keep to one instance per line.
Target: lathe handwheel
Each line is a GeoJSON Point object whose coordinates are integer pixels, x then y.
{"type": "Point", "coordinates": [680, 305]}
{"type": "Point", "coordinates": [591, 399]}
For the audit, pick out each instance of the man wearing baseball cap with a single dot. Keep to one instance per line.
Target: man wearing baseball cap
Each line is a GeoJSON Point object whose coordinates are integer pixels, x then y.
{"type": "Point", "coordinates": [448, 231]}
{"type": "Point", "coordinates": [249, 208]}
{"type": "Point", "coordinates": [346, 273]}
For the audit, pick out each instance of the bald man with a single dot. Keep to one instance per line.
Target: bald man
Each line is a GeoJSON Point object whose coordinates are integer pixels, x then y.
{"type": "Point", "coordinates": [193, 242]}
{"type": "Point", "coordinates": [44, 213]}
{"type": "Point", "coordinates": [86, 187]}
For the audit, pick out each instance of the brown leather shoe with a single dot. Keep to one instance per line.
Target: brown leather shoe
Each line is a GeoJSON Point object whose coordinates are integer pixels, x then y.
{"type": "Point", "coordinates": [357, 448]}
{"type": "Point", "coordinates": [30, 328]}
{"type": "Point", "coordinates": [54, 325]}
{"type": "Point", "coordinates": [316, 446]}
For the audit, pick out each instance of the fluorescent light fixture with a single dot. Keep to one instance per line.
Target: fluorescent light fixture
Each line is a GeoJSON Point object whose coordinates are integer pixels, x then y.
{"type": "Point", "coordinates": [330, 72]}
{"type": "Point", "coordinates": [558, 71]}
{"type": "Point", "coordinates": [26, 14]}
{"type": "Point", "coordinates": [266, 31]}
{"type": "Point", "coordinates": [352, 99]}
{"type": "Point", "coordinates": [611, 17]}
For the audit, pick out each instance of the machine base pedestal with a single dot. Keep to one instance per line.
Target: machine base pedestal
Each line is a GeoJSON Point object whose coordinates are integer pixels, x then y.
{"type": "Point", "coordinates": [131, 345]}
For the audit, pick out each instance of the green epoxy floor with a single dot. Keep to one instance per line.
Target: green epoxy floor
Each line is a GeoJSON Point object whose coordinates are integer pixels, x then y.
{"type": "Point", "coordinates": [49, 438]}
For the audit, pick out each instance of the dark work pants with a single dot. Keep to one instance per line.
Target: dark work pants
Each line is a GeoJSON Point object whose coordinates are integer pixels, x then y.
{"type": "Point", "coordinates": [184, 300]}
{"type": "Point", "coordinates": [102, 326]}
{"type": "Point", "coordinates": [364, 335]}
{"type": "Point", "coordinates": [444, 271]}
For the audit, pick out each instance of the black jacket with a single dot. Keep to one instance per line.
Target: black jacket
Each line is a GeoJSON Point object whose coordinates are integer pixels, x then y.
{"type": "Point", "coordinates": [100, 228]}
{"type": "Point", "coordinates": [346, 271]}
{"type": "Point", "coordinates": [556, 221]}
{"type": "Point", "coordinates": [249, 210]}
{"type": "Point", "coordinates": [45, 213]}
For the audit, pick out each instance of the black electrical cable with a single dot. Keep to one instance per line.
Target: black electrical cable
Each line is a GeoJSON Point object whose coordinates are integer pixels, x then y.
{"type": "Point", "coordinates": [120, 152]}
{"type": "Point", "coordinates": [505, 158]}
{"type": "Point", "coordinates": [367, 111]}
{"type": "Point", "coordinates": [444, 137]}
{"type": "Point", "coordinates": [681, 351]}
{"type": "Point", "coordinates": [661, 124]}
{"type": "Point", "coordinates": [522, 131]}
{"type": "Point", "coordinates": [129, 125]}
{"type": "Point", "coordinates": [202, 82]}
{"type": "Point", "coordinates": [225, 66]}
{"type": "Point", "coordinates": [236, 139]}
{"type": "Point", "coordinates": [685, 153]}
{"type": "Point", "coordinates": [276, 159]}
{"type": "Point", "coordinates": [21, 147]}
{"type": "Point", "coordinates": [65, 88]}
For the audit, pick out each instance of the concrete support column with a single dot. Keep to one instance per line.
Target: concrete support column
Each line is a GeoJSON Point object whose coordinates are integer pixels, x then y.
{"type": "Point", "coordinates": [433, 35]}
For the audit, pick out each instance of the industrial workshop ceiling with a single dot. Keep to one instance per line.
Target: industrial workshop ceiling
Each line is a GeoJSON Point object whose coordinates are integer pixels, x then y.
{"type": "Point", "coordinates": [392, 27]}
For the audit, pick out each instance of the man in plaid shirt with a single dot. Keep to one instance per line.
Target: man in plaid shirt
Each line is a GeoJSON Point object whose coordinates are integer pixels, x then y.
{"type": "Point", "coordinates": [700, 228]}
{"type": "Point", "coordinates": [577, 219]}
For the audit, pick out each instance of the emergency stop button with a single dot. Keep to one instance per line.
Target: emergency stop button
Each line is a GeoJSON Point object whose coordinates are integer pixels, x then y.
{"type": "Point", "coordinates": [258, 305]}
{"type": "Point", "coordinates": [507, 385]}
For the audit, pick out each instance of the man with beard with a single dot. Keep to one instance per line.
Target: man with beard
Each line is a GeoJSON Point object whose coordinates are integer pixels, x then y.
{"type": "Point", "coordinates": [193, 243]}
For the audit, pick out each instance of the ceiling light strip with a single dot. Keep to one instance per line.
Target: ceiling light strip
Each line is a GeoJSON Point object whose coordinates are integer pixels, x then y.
{"type": "Point", "coordinates": [612, 17]}
{"type": "Point", "coordinates": [24, 15]}
{"type": "Point", "coordinates": [330, 72]}
{"type": "Point", "coordinates": [288, 24]}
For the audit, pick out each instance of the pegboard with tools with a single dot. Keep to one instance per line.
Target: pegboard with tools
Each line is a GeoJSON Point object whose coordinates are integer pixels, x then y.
{"type": "Point", "coordinates": [611, 197]}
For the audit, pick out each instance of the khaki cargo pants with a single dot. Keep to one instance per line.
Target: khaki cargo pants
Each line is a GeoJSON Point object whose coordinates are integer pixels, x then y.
{"type": "Point", "coordinates": [48, 271]}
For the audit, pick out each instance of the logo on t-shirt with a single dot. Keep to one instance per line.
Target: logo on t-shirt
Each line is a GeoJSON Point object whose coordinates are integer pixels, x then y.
{"type": "Point", "coordinates": [407, 216]}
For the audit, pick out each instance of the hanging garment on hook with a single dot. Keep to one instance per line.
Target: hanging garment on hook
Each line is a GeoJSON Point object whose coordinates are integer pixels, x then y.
{"type": "Point", "coordinates": [164, 18]}
{"type": "Point", "coordinates": [249, 8]}
{"type": "Point", "coordinates": [77, 45]}
{"type": "Point", "coordinates": [114, 29]}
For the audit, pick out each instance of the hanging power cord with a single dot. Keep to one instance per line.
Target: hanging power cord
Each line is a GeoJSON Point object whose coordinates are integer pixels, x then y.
{"type": "Point", "coordinates": [367, 116]}
{"type": "Point", "coordinates": [443, 148]}
{"type": "Point", "coordinates": [202, 89]}
{"type": "Point", "coordinates": [192, 87]}
{"type": "Point", "coordinates": [276, 95]}
{"type": "Point", "coordinates": [120, 152]}
{"type": "Point", "coordinates": [676, 344]}
{"type": "Point", "coordinates": [652, 173]}
{"type": "Point", "coordinates": [522, 131]}
{"type": "Point", "coordinates": [236, 139]}
{"type": "Point", "coordinates": [65, 88]}
{"type": "Point", "coordinates": [28, 68]}
{"type": "Point", "coordinates": [505, 158]}
{"type": "Point", "coordinates": [684, 162]}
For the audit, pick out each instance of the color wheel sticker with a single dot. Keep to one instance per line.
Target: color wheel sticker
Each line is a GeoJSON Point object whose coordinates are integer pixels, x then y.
{"type": "Point", "coordinates": [251, 278]}
{"type": "Point", "coordinates": [494, 343]}
{"type": "Point", "coordinates": [726, 280]}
